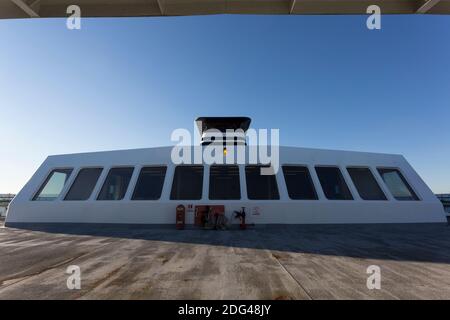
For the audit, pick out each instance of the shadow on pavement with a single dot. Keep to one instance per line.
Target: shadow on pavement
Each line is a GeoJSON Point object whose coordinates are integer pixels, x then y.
{"type": "Point", "coordinates": [404, 242]}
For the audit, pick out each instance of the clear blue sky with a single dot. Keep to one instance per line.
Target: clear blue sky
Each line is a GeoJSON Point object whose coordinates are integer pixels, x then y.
{"type": "Point", "coordinates": [325, 81]}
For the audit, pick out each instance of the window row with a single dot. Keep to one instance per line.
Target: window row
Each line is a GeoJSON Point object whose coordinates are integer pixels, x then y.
{"type": "Point", "coordinates": [224, 183]}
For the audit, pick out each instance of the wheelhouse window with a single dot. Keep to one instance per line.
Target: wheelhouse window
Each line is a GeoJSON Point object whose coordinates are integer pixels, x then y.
{"type": "Point", "coordinates": [333, 183]}
{"type": "Point", "coordinates": [53, 185]}
{"type": "Point", "coordinates": [366, 184]}
{"type": "Point", "coordinates": [260, 187]}
{"type": "Point", "coordinates": [224, 182]}
{"type": "Point", "coordinates": [84, 184]}
{"type": "Point", "coordinates": [397, 184]}
{"type": "Point", "coordinates": [150, 183]}
{"type": "Point", "coordinates": [299, 183]}
{"type": "Point", "coordinates": [116, 184]}
{"type": "Point", "coordinates": [187, 183]}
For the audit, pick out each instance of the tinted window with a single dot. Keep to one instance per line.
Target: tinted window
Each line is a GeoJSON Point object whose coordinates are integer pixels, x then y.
{"type": "Point", "coordinates": [53, 185]}
{"type": "Point", "coordinates": [187, 183]}
{"type": "Point", "coordinates": [150, 183]}
{"type": "Point", "coordinates": [397, 184]}
{"type": "Point", "coordinates": [116, 184]}
{"type": "Point", "coordinates": [224, 183]}
{"type": "Point", "coordinates": [260, 187]}
{"type": "Point", "coordinates": [333, 183]}
{"type": "Point", "coordinates": [299, 183]}
{"type": "Point", "coordinates": [366, 184]}
{"type": "Point", "coordinates": [84, 184]}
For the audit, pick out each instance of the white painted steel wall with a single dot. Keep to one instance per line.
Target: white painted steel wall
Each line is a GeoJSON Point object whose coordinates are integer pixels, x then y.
{"type": "Point", "coordinates": [284, 211]}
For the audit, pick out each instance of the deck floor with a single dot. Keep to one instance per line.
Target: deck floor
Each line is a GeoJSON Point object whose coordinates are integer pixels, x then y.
{"type": "Point", "coordinates": [283, 262]}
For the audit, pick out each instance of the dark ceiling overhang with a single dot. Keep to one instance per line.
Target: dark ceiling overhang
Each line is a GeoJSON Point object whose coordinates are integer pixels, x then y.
{"type": "Point", "coordinates": [138, 8]}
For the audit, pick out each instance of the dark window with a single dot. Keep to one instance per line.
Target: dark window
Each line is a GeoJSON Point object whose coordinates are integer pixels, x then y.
{"type": "Point", "coordinates": [84, 184]}
{"type": "Point", "coordinates": [397, 184]}
{"type": "Point", "coordinates": [333, 183]}
{"type": "Point", "coordinates": [116, 184]}
{"type": "Point", "coordinates": [53, 185]}
{"type": "Point", "coordinates": [150, 183]}
{"type": "Point", "coordinates": [224, 183]}
{"type": "Point", "coordinates": [187, 183]}
{"type": "Point", "coordinates": [366, 184]}
{"type": "Point", "coordinates": [260, 187]}
{"type": "Point", "coordinates": [299, 183]}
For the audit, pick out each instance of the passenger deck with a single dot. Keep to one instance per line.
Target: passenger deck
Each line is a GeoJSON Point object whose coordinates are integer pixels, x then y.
{"type": "Point", "coordinates": [284, 262]}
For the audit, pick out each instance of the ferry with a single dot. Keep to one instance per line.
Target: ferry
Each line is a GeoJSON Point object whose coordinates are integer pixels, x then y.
{"type": "Point", "coordinates": [146, 186]}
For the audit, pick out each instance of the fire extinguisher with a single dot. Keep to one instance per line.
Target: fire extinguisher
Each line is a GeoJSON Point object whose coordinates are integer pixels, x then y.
{"type": "Point", "coordinates": [241, 216]}
{"type": "Point", "coordinates": [180, 217]}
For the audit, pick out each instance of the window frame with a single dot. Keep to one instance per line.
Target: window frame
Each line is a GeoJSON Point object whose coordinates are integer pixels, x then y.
{"type": "Point", "coordinates": [136, 182]}
{"type": "Point", "coordinates": [342, 174]}
{"type": "Point", "coordinates": [105, 173]}
{"type": "Point", "coordinates": [48, 176]}
{"type": "Point", "coordinates": [405, 180]}
{"type": "Point", "coordinates": [377, 181]}
{"type": "Point", "coordinates": [238, 178]}
{"type": "Point", "coordinates": [174, 172]}
{"type": "Point", "coordinates": [278, 198]}
{"type": "Point", "coordinates": [93, 192]}
{"type": "Point", "coordinates": [310, 175]}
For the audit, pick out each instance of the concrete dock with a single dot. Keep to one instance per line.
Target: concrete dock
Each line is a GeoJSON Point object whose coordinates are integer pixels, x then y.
{"type": "Point", "coordinates": [272, 262]}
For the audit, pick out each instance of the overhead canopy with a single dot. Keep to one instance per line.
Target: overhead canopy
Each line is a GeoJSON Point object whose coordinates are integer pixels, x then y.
{"type": "Point", "coordinates": [136, 8]}
{"type": "Point", "coordinates": [222, 123]}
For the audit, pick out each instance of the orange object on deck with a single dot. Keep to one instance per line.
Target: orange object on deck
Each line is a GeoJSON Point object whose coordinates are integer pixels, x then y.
{"type": "Point", "coordinates": [217, 210]}
{"type": "Point", "coordinates": [205, 212]}
{"type": "Point", "coordinates": [180, 217]}
{"type": "Point", "coordinates": [200, 214]}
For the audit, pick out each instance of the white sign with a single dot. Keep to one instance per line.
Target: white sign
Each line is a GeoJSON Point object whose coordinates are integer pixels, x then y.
{"type": "Point", "coordinates": [256, 211]}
